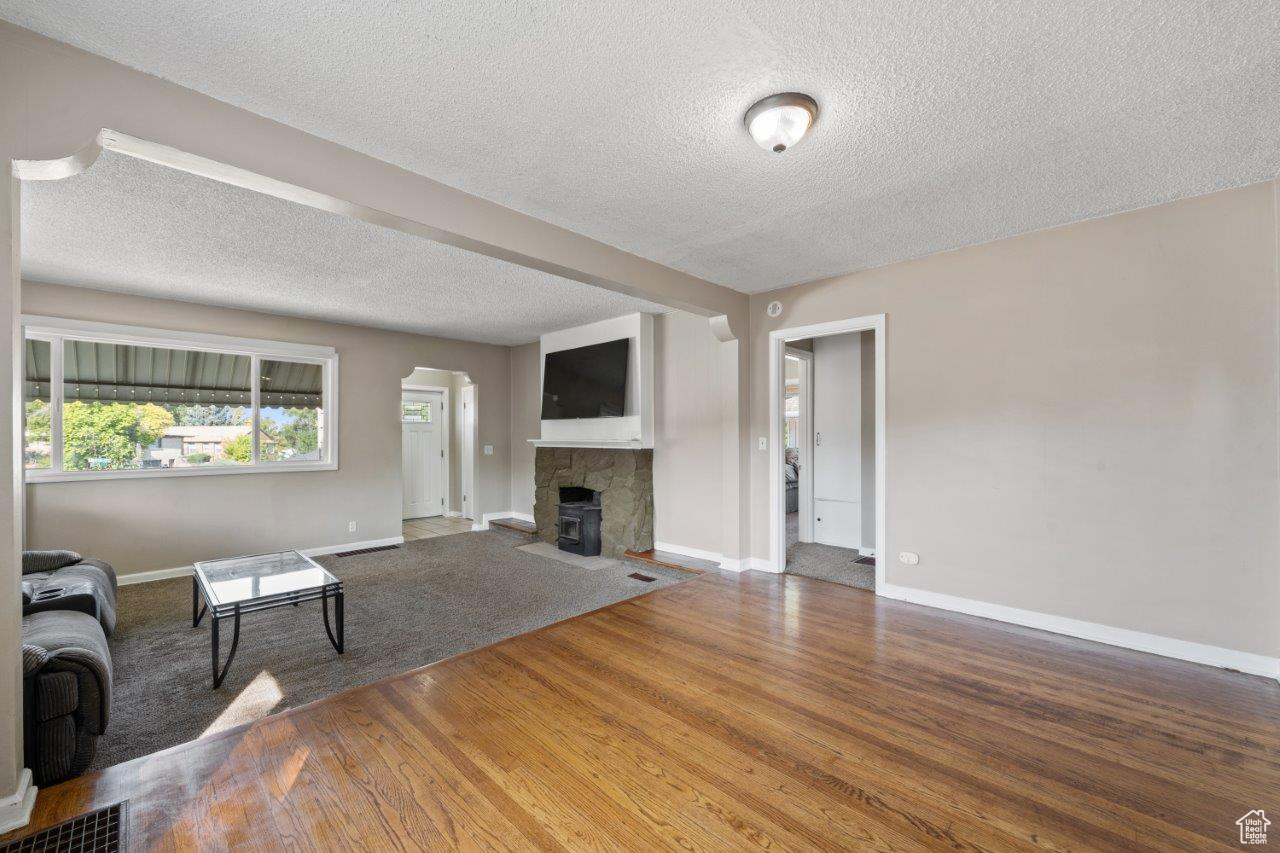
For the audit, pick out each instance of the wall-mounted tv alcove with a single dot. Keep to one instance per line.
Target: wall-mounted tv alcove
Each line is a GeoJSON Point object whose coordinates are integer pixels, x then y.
{"type": "Point", "coordinates": [597, 385]}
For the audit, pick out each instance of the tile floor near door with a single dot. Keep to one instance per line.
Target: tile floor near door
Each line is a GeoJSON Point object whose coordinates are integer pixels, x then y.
{"type": "Point", "coordinates": [438, 525]}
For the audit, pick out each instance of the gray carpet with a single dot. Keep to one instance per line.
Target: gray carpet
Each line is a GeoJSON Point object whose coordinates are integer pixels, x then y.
{"type": "Point", "coordinates": [829, 563]}
{"type": "Point", "coordinates": [427, 600]}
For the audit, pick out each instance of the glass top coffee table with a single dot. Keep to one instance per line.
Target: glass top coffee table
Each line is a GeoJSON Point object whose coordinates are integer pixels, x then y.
{"type": "Point", "coordinates": [226, 589]}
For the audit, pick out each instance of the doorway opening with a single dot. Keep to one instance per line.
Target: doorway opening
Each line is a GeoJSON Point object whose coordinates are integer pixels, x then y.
{"type": "Point", "coordinates": [828, 438]}
{"type": "Point", "coordinates": [436, 452]}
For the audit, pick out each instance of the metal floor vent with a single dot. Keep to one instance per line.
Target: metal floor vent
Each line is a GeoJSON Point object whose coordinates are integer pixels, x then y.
{"type": "Point", "coordinates": [101, 831]}
{"type": "Point", "coordinates": [641, 577]}
{"type": "Point", "coordinates": [366, 550]}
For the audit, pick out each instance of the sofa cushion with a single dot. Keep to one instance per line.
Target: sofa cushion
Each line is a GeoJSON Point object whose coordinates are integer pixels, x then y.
{"type": "Point", "coordinates": [47, 561]}
{"type": "Point", "coordinates": [88, 586]}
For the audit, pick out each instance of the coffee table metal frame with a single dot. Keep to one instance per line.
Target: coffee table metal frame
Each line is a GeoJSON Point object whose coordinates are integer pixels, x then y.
{"type": "Point", "coordinates": [202, 598]}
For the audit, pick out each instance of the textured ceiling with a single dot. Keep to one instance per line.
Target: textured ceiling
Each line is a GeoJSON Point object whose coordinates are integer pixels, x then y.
{"type": "Point", "coordinates": [943, 123]}
{"type": "Point", "coordinates": [134, 227]}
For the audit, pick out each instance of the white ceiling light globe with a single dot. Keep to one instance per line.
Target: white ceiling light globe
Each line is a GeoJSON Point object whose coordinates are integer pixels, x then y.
{"type": "Point", "coordinates": [780, 121]}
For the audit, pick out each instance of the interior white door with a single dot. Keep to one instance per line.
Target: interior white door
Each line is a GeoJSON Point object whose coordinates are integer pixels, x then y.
{"type": "Point", "coordinates": [422, 454]}
{"type": "Point", "coordinates": [837, 439]}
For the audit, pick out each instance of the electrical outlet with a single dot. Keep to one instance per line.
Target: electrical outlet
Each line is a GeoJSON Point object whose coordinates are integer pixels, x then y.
{"type": "Point", "coordinates": [351, 527]}
{"type": "Point", "coordinates": [488, 450]}
{"type": "Point", "coordinates": [907, 558]}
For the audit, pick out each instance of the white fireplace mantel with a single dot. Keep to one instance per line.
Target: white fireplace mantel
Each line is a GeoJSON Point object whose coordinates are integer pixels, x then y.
{"type": "Point", "coordinates": [634, 444]}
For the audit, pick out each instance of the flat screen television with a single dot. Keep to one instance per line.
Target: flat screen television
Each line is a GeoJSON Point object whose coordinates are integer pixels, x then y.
{"type": "Point", "coordinates": [585, 382]}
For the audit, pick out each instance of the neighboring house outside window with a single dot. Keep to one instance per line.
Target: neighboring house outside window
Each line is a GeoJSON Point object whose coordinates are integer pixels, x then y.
{"type": "Point", "coordinates": [182, 446]}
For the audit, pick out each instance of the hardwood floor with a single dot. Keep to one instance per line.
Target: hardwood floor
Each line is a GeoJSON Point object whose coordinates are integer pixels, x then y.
{"type": "Point", "coordinates": [729, 713]}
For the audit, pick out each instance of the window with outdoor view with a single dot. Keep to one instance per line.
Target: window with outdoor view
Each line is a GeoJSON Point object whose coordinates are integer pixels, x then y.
{"type": "Point", "coordinates": [94, 406]}
{"type": "Point", "coordinates": [292, 411]}
{"type": "Point", "coordinates": [37, 449]}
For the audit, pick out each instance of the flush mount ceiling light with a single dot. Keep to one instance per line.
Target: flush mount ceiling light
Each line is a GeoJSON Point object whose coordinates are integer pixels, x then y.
{"type": "Point", "coordinates": [780, 121]}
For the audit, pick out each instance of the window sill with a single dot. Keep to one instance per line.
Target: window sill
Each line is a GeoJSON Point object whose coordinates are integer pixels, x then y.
{"type": "Point", "coordinates": [40, 476]}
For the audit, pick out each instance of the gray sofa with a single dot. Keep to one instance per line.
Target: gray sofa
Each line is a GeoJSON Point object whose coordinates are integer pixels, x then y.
{"type": "Point", "coordinates": [69, 608]}
{"type": "Point", "coordinates": [63, 580]}
{"type": "Point", "coordinates": [791, 474]}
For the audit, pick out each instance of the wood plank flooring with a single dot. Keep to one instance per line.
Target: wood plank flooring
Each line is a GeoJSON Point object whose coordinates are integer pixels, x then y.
{"type": "Point", "coordinates": [734, 713]}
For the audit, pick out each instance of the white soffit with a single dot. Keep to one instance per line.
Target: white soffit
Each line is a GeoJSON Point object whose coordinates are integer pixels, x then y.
{"type": "Point", "coordinates": [130, 226]}
{"type": "Point", "coordinates": [942, 124]}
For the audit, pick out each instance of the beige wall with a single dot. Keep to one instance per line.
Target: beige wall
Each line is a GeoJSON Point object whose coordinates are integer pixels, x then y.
{"type": "Point", "coordinates": [1081, 421]}
{"type": "Point", "coordinates": [454, 382]}
{"type": "Point", "coordinates": [688, 401]}
{"type": "Point", "coordinates": [144, 524]}
{"type": "Point", "coordinates": [687, 497]}
{"type": "Point", "coordinates": [526, 408]}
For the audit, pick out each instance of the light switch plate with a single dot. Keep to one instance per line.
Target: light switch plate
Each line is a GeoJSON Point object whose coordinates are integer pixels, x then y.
{"type": "Point", "coordinates": [764, 443]}
{"type": "Point", "coordinates": [488, 450]}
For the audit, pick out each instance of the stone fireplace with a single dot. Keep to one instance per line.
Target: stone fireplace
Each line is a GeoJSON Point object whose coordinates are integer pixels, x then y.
{"type": "Point", "coordinates": [624, 481]}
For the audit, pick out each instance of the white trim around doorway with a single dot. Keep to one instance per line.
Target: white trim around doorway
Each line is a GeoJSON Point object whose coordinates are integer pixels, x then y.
{"type": "Point", "coordinates": [469, 399]}
{"type": "Point", "coordinates": [777, 494]}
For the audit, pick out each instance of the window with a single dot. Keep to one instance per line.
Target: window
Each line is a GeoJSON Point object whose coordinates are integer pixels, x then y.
{"type": "Point", "coordinates": [413, 411]}
{"type": "Point", "coordinates": [292, 411]}
{"type": "Point", "coordinates": [122, 401]}
{"type": "Point", "coordinates": [37, 448]}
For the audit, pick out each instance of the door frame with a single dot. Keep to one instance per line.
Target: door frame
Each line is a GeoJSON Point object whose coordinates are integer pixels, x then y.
{"type": "Point", "coordinates": [805, 503]}
{"type": "Point", "coordinates": [470, 396]}
{"type": "Point", "coordinates": [777, 494]}
{"type": "Point", "coordinates": [446, 415]}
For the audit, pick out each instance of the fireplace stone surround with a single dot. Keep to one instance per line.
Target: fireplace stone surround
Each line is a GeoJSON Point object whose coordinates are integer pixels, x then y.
{"type": "Point", "coordinates": [624, 479]}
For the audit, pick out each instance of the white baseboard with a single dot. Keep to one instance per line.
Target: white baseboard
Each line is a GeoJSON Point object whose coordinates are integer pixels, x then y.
{"type": "Point", "coordinates": [453, 513]}
{"type": "Point", "coordinates": [15, 809]}
{"type": "Point", "coordinates": [685, 551]}
{"type": "Point", "coordinates": [1155, 644]}
{"type": "Point", "coordinates": [184, 571]}
{"type": "Point", "coordinates": [352, 546]}
{"type": "Point", "coordinates": [153, 575]}
{"type": "Point", "coordinates": [749, 564]}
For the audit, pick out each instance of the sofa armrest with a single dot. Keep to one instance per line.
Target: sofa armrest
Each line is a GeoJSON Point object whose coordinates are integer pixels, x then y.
{"type": "Point", "coordinates": [47, 561]}
{"type": "Point", "coordinates": [73, 642]}
{"type": "Point", "coordinates": [33, 658]}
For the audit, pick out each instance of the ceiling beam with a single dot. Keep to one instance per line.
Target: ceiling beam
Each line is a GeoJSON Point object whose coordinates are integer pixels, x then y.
{"type": "Point", "coordinates": [55, 100]}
